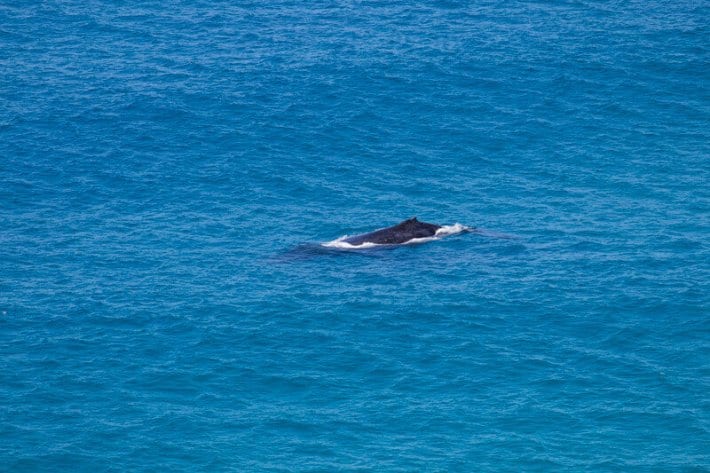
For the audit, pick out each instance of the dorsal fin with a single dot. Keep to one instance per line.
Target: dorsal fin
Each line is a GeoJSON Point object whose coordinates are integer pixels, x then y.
{"type": "Point", "coordinates": [408, 222]}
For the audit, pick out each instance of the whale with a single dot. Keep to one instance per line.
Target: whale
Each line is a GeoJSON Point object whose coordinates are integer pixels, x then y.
{"type": "Point", "coordinates": [409, 232]}
{"type": "Point", "coordinates": [406, 232]}
{"type": "Point", "coordinates": [401, 233]}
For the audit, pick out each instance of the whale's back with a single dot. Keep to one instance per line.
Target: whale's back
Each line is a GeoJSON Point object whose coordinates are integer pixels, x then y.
{"type": "Point", "coordinates": [400, 233]}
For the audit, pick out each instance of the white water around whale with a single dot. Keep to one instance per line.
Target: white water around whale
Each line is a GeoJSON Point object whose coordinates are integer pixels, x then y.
{"type": "Point", "coordinates": [442, 232]}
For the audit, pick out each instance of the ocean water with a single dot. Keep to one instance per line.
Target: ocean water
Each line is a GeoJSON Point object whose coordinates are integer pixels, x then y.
{"type": "Point", "coordinates": [168, 174]}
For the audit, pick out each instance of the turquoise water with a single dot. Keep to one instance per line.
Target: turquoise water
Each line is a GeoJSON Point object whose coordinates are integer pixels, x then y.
{"type": "Point", "coordinates": [169, 171]}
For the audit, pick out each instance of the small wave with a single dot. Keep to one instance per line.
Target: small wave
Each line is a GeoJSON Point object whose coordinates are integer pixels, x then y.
{"type": "Point", "coordinates": [447, 230]}
{"type": "Point", "coordinates": [442, 232]}
{"type": "Point", "coordinates": [340, 243]}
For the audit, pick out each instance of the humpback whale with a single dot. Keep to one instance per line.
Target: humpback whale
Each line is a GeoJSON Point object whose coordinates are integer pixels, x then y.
{"type": "Point", "coordinates": [408, 231]}
{"type": "Point", "coordinates": [400, 233]}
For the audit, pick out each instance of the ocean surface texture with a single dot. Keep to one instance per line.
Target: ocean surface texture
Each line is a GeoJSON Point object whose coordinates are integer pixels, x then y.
{"type": "Point", "coordinates": [170, 170]}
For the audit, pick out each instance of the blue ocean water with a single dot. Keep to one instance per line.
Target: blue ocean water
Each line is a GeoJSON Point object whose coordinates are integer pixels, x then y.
{"type": "Point", "coordinates": [169, 170]}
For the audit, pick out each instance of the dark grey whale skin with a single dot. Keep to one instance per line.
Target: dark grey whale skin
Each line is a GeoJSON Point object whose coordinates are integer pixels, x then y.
{"type": "Point", "coordinates": [400, 233]}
